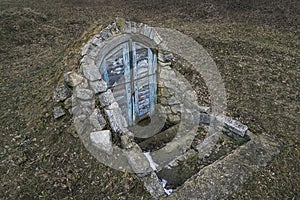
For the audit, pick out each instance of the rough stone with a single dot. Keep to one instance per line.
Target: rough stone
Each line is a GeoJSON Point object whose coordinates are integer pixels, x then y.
{"type": "Point", "coordinates": [157, 39]}
{"type": "Point", "coordinates": [165, 57]}
{"type": "Point", "coordinates": [204, 109]}
{"type": "Point", "coordinates": [85, 49]}
{"type": "Point", "coordinates": [204, 118]}
{"type": "Point", "coordinates": [72, 79]}
{"type": "Point", "coordinates": [112, 106]}
{"type": "Point", "coordinates": [126, 142]}
{"type": "Point", "coordinates": [106, 98]}
{"type": "Point", "coordinates": [84, 94]}
{"type": "Point", "coordinates": [117, 121]}
{"type": "Point", "coordinates": [87, 60]}
{"type": "Point", "coordinates": [97, 120]}
{"type": "Point", "coordinates": [102, 140]}
{"type": "Point", "coordinates": [98, 86]}
{"type": "Point", "coordinates": [173, 118]}
{"type": "Point", "coordinates": [173, 100]}
{"type": "Point", "coordinates": [91, 72]}
{"type": "Point", "coordinates": [138, 162]}
{"type": "Point", "coordinates": [58, 112]}
{"type": "Point", "coordinates": [176, 109]}
{"type": "Point", "coordinates": [68, 103]}
{"type": "Point", "coordinates": [232, 125]}
{"type": "Point", "coordinates": [153, 185]}
{"type": "Point", "coordinates": [146, 30]}
{"type": "Point", "coordinates": [114, 29]}
{"type": "Point", "coordinates": [81, 124]}
{"type": "Point", "coordinates": [81, 110]}
{"type": "Point", "coordinates": [126, 28]}
{"type": "Point", "coordinates": [61, 93]}
{"type": "Point", "coordinates": [106, 34]}
{"type": "Point", "coordinates": [96, 41]}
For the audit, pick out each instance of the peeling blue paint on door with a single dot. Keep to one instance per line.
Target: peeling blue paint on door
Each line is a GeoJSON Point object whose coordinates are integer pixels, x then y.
{"type": "Point", "coordinates": [135, 68]}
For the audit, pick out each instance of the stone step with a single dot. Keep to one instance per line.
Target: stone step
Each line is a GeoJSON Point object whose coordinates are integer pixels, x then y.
{"type": "Point", "coordinates": [158, 140]}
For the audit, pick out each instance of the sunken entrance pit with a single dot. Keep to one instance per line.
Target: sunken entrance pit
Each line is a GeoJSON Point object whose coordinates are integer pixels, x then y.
{"type": "Point", "coordinates": [135, 111]}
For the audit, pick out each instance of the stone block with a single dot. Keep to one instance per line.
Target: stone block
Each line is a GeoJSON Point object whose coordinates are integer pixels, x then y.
{"type": "Point", "coordinates": [61, 93]}
{"type": "Point", "coordinates": [84, 94]}
{"type": "Point", "coordinates": [98, 86]}
{"type": "Point", "coordinates": [153, 185]}
{"type": "Point", "coordinates": [204, 109]}
{"type": "Point", "coordinates": [204, 118]}
{"type": "Point", "coordinates": [68, 103]}
{"type": "Point", "coordinates": [97, 120]}
{"type": "Point", "coordinates": [173, 118]}
{"type": "Point", "coordinates": [157, 39]}
{"type": "Point", "coordinates": [176, 109]}
{"type": "Point", "coordinates": [72, 79]}
{"type": "Point", "coordinates": [138, 162]}
{"type": "Point", "coordinates": [96, 41]}
{"type": "Point", "coordinates": [102, 140]}
{"type": "Point", "coordinates": [173, 100]}
{"type": "Point", "coordinates": [91, 72]}
{"type": "Point", "coordinates": [232, 125]}
{"type": "Point", "coordinates": [146, 30]}
{"type": "Point", "coordinates": [87, 60]}
{"type": "Point", "coordinates": [106, 98]}
{"type": "Point", "coordinates": [58, 112]}
{"type": "Point", "coordinates": [117, 121]}
{"type": "Point", "coordinates": [105, 34]}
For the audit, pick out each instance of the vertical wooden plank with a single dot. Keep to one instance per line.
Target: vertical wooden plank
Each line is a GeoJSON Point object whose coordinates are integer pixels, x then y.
{"type": "Point", "coordinates": [135, 83]}
{"type": "Point", "coordinates": [151, 81]}
{"type": "Point", "coordinates": [154, 78]}
{"type": "Point", "coordinates": [126, 60]}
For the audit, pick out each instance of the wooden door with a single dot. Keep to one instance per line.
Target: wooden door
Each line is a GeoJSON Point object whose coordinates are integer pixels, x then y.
{"type": "Point", "coordinates": [130, 71]}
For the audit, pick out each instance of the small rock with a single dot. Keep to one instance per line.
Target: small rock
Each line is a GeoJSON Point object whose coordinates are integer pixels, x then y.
{"type": "Point", "coordinates": [173, 118]}
{"type": "Point", "coordinates": [58, 112]}
{"type": "Point", "coordinates": [96, 41]}
{"type": "Point", "coordinates": [233, 125]}
{"type": "Point", "coordinates": [68, 103]}
{"type": "Point", "coordinates": [106, 98]}
{"type": "Point", "coordinates": [97, 120]}
{"type": "Point", "coordinates": [204, 118]}
{"type": "Point", "coordinates": [98, 86]}
{"type": "Point", "coordinates": [91, 72]}
{"type": "Point", "coordinates": [105, 34]}
{"type": "Point", "coordinates": [84, 94]}
{"type": "Point", "coordinates": [61, 93]}
{"type": "Point", "coordinates": [117, 121]}
{"type": "Point", "coordinates": [72, 79]}
{"type": "Point", "coordinates": [153, 185]}
{"type": "Point", "coordinates": [102, 140]}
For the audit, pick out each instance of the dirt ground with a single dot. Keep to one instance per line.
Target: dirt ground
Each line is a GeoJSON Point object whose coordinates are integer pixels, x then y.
{"type": "Point", "coordinates": [255, 45]}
